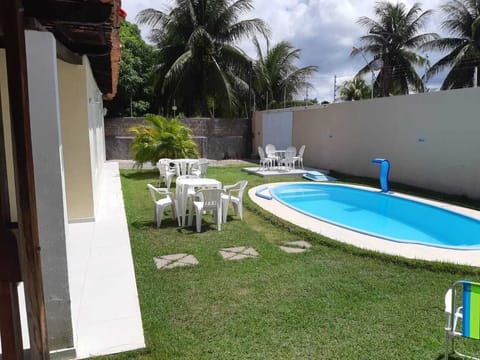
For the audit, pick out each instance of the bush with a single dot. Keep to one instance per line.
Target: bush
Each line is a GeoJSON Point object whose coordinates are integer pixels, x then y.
{"type": "Point", "coordinates": [160, 138]}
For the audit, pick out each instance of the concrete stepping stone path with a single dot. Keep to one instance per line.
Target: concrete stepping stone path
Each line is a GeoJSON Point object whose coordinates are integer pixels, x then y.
{"type": "Point", "coordinates": [296, 247]}
{"type": "Point", "coordinates": [174, 260]}
{"type": "Point", "coordinates": [238, 253]}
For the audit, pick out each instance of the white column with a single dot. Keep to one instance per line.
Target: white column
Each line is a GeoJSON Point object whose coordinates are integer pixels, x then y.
{"type": "Point", "coordinates": [49, 184]}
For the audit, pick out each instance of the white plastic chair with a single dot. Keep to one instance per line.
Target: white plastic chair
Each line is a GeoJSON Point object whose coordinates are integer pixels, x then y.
{"type": "Point", "coordinates": [208, 200]}
{"type": "Point", "coordinates": [167, 172]}
{"type": "Point", "coordinates": [289, 160]}
{"type": "Point", "coordinates": [270, 151]}
{"type": "Point", "coordinates": [299, 157]}
{"type": "Point", "coordinates": [448, 310]}
{"type": "Point", "coordinates": [265, 163]}
{"type": "Point", "coordinates": [162, 203]}
{"type": "Point", "coordinates": [233, 194]}
{"type": "Point", "coordinates": [200, 168]}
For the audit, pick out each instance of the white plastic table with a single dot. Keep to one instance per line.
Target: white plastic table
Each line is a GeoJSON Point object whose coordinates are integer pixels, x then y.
{"type": "Point", "coordinates": [181, 193]}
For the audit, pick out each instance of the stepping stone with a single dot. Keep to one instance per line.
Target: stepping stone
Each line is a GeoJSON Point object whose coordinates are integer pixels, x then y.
{"type": "Point", "coordinates": [292, 250]}
{"type": "Point", "coordinates": [189, 260]}
{"type": "Point", "coordinates": [174, 256]}
{"type": "Point", "coordinates": [300, 243]}
{"type": "Point", "coordinates": [238, 253]}
{"type": "Point", "coordinates": [250, 251]}
{"type": "Point", "coordinates": [237, 249]}
{"type": "Point", "coordinates": [174, 260]}
{"type": "Point", "coordinates": [238, 257]}
{"type": "Point", "coordinates": [226, 255]}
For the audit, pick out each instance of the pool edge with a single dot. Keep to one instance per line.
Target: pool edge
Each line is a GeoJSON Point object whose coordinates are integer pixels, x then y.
{"type": "Point", "coordinates": [409, 250]}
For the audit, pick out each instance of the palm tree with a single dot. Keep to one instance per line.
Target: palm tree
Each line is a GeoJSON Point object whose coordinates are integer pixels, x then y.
{"type": "Point", "coordinates": [356, 89]}
{"type": "Point", "coordinates": [462, 21]}
{"type": "Point", "coordinates": [162, 138]}
{"type": "Point", "coordinates": [199, 62]}
{"type": "Point", "coordinates": [276, 78]}
{"type": "Point", "coordinates": [392, 40]}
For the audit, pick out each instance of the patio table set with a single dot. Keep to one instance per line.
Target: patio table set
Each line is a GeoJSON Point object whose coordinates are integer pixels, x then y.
{"type": "Point", "coordinates": [194, 193]}
{"type": "Point", "coordinates": [274, 159]}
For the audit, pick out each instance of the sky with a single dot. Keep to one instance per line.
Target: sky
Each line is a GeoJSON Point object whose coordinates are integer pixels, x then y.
{"type": "Point", "coordinates": [325, 31]}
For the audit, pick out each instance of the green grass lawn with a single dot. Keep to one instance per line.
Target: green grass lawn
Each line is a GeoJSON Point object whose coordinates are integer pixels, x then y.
{"type": "Point", "coordinates": [332, 302]}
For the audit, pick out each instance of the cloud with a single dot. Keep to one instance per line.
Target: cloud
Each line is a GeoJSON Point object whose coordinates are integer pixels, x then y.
{"type": "Point", "coordinates": [325, 31]}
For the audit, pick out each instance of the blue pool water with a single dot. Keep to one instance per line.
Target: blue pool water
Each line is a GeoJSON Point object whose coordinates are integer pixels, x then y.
{"type": "Point", "coordinates": [382, 215]}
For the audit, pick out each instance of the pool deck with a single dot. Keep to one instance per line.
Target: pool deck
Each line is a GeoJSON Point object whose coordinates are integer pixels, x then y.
{"type": "Point", "coordinates": [280, 171]}
{"type": "Point", "coordinates": [407, 250]}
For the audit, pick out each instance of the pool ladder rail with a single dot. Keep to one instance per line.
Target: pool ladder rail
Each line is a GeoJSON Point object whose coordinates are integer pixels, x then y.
{"type": "Point", "coordinates": [384, 171]}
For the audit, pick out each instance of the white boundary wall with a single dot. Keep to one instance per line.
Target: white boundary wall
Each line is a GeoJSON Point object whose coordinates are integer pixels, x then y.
{"type": "Point", "coordinates": [432, 140]}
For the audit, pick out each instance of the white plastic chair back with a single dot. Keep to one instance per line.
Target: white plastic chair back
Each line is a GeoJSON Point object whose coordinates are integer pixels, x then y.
{"type": "Point", "coordinates": [162, 203]}
{"type": "Point", "coordinates": [270, 150]}
{"type": "Point", "coordinates": [208, 200]}
{"type": "Point", "coordinates": [234, 194]}
{"type": "Point", "coordinates": [264, 161]}
{"type": "Point", "coordinates": [301, 151]}
{"type": "Point", "coordinates": [261, 153]}
{"type": "Point", "coordinates": [291, 149]}
{"type": "Point", "coordinates": [200, 168]}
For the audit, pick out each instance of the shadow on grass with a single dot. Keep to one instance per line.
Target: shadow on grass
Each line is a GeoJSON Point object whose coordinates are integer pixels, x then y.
{"type": "Point", "coordinates": [144, 224]}
{"type": "Point", "coordinates": [139, 174]}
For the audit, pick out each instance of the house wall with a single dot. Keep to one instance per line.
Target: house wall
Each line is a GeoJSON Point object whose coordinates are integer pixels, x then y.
{"type": "Point", "coordinates": [5, 108]}
{"type": "Point", "coordinates": [430, 139]}
{"type": "Point", "coordinates": [72, 84]}
{"type": "Point", "coordinates": [96, 132]}
{"type": "Point", "coordinates": [49, 184]}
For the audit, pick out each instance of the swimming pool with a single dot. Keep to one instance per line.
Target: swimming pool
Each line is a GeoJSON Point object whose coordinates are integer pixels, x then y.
{"type": "Point", "coordinates": [381, 215]}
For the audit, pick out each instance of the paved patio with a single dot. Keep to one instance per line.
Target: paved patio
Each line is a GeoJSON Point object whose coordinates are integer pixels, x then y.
{"type": "Point", "coordinates": [280, 171]}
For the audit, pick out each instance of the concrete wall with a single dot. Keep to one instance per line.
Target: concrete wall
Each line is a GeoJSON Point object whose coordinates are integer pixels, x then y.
{"type": "Point", "coordinates": [277, 129]}
{"type": "Point", "coordinates": [432, 140]}
{"type": "Point", "coordinates": [216, 138]}
{"type": "Point", "coordinates": [49, 183]}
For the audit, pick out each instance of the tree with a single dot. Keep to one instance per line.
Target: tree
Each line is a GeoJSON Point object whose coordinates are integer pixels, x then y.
{"type": "Point", "coordinates": [356, 89]}
{"type": "Point", "coordinates": [199, 62]}
{"type": "Point", "coordinates": [462, 21]}
{"type": "Point", "coordinates": [162, 138]}
{"type": "Point", "coordinates": [276, 77]}
{"type": "Point", "coordinates": [392, 40]}
{"type": "Point", "coordinates": [134, 94]}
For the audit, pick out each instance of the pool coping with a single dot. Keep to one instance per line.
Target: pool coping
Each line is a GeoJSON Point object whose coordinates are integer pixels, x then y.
{"type": "Point", "coordinates": [369, 242]}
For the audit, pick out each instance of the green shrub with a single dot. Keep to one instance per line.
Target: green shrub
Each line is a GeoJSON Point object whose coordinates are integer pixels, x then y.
{"type": "Point", "coordinates": [160, 138]}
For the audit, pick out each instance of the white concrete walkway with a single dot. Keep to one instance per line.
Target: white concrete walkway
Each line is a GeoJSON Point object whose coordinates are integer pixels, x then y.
{"type": "Point", "coordinates": [105, 308]}
{"type": "Point", "coordinates": [104, 301]}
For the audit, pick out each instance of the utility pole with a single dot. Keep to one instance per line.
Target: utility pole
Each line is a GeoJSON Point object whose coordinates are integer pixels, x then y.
{"type": "Point", "coordinates": [334, 88]}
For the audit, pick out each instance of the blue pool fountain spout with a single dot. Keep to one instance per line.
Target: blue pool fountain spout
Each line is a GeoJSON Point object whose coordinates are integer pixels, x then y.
{"type": "Point", "coordinates": [384, 170]}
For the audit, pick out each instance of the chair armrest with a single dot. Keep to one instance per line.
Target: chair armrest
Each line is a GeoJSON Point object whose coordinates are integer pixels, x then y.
{"type": "Point", "coordinates": [162, 191]}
